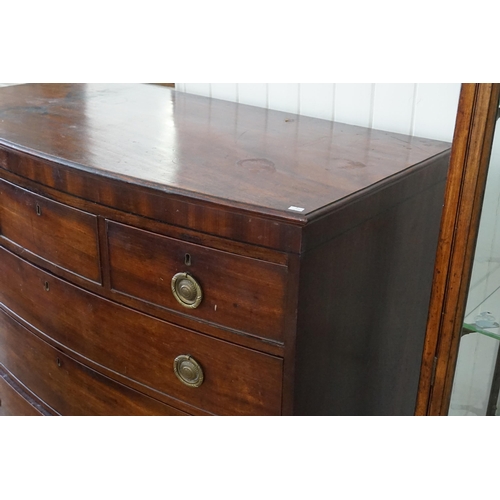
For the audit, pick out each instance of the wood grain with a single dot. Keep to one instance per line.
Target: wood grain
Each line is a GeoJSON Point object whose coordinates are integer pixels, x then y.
{"type": "Point", "coordinates": [316, 309]}
{"type": "Point", "coordinates": [238, 380]}
{"type": "Point", "coordinates": [463, 200]}
{"type": "Point", "coordinates": [360, 353]}
{"type": "Point", "coordinates": [68, 387]}
{"type": "Point", "coordinates": [234, 288]}
{"type": "Point", "coordinates": [207, 149]}
{"type": "Point", "coordinates": [62, 235]}
{"type": "Point", "coordinates": [14, 401]}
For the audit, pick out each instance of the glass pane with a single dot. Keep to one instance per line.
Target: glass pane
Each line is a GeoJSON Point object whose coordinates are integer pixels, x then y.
{"type": "Point", "coordinates": [477, 377]}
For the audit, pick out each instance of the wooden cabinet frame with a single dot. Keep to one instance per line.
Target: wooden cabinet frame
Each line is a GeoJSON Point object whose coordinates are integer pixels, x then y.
{"type": "Point", "coordinates": [477, 112]}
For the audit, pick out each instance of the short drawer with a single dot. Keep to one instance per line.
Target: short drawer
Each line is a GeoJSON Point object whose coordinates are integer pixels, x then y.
{"type": "Point", "coordinates": [62, 235]}
{"type": "Point", "coordinates": [65, 385]}
{"type": "Point", "coordinates": [237, 292]}
{"type": "Point", "coordinates": [12, 402]}
{"type": "Point", "coordinates": [237, 380]}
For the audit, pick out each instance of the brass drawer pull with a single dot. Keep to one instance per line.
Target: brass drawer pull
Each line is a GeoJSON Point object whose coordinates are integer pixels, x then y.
{"type": "Point", "coordinates": [186, 290]}
{"type": "Point", "coordinates": [188, 371]}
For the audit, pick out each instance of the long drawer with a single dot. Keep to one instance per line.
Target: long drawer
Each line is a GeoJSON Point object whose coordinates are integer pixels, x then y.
{"type": "Point", "coordinates": [12, 402]}
{"type": "Point", "coordinates": [67, 386]}
{"type": "Point", "coordinates": [62, 235]}
{"type": "Point", "coordinates": [236, 380]}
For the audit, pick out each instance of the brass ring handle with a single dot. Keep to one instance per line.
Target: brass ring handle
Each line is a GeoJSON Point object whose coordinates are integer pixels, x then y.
{"type": "Point", "coordinates": [188, 371]}
{"type": "Point", "coordinates": [186, 290]}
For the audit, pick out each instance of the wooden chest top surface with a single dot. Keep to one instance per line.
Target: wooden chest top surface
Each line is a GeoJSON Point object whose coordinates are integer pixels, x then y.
{"type": "Point", "coordinates": [211, 150]}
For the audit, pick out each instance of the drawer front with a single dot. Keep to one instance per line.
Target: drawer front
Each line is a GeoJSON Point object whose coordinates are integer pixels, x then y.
{"type": "Point", "coordinates": [65, 385]}
{"type": "Point", "coordinates": [238, 292]}
{"type": "Point", "coordinates": [62, 235]}
{"type": "Point", "coordinates": [12, 403]}
{"type": "Point", "coordinates": [237, 380]}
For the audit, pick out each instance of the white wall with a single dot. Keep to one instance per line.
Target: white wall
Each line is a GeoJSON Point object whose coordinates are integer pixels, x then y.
{"type": "Point", "coordinates": [419, 109]}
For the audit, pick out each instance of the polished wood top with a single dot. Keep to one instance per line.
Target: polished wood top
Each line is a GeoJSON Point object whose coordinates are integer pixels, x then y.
{"type": "Point", "coordinates": [161, 138]}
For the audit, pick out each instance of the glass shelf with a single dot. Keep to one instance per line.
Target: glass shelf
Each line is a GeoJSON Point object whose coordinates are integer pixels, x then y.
{"type": "Point", "coordinates": [493, 407]}
{"type": "Point", "coordinates": [468, 328]}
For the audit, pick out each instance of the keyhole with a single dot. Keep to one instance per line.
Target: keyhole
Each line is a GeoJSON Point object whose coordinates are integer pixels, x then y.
{"type": "Point", "coordinates": [46, 286]}
{"type": "Point", "coordinates": [59, 362]}
{"type": "Point", "coordinates": [187, 259]}
{"type": "Point", "coordinates": [38, 209]}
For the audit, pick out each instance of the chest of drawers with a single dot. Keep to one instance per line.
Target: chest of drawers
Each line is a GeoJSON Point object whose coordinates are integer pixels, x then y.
{"type": "Point", "coordinates": [168, 254]}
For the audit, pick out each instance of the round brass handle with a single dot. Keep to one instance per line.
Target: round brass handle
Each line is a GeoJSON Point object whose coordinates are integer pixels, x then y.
{"type": "Point", "coordinates": [186, 290]}
{"type": "Point", "coordinates": [188, 371]}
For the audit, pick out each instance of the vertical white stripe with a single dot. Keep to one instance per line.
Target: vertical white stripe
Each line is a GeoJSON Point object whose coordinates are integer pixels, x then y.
{"type": "Point", "coordinates": [436, 110]}
{"type": "Point", "coordinates": [198, 88]}
{"type": "Point", "coordinates": [393, 107]}
{"type": "Point", "coordinates": [353, 103]}
{"type": "Point", "coordinates": [226, 91]}
{"type": "Point", "coordinates": [372, 104]}
{"type": "Point", "coordinates": [413, 109]}
{"type": "Point", "coordinates": [284, 97]}
{"type": "Point", "coordinates": [254, 94]}
{"type": "Point", "coordinates": [425, 110]}
{"type": "Point", "coordinates": [316, 99]}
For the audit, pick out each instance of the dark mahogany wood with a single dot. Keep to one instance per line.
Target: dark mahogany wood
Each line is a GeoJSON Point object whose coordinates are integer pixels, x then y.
{"type": "Point", "coordinates": [179, 317]}
{"type": "Point", "coordinates": [204, 148]}
{"type": "Point", "coordinates": [67, 386]}
{"type": "Point", "coordinates": [143, 348]}
{"type": "Point", "coordinates": [15, 401]}
{"type": "Point", "coordinates": [358, 355]}
{"type": "Point", "coordinates": [142, 264]}
{"type": "Point", "coordinates": [217, 152]}
{"type": "Point", "coordinates": [55, 232]}
{"type": "Point", "coordinates": [313, 242]}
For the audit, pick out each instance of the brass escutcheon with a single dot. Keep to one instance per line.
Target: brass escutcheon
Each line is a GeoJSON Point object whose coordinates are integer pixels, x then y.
{"type": "Point", "coordinates": [188, 371]}
{"type": "Point", "coordinates": [186, 290]}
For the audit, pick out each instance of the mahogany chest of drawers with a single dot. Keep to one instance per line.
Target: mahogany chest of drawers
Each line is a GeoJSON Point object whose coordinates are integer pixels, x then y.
{"type": "Point", "coordinates": [169, 254]}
